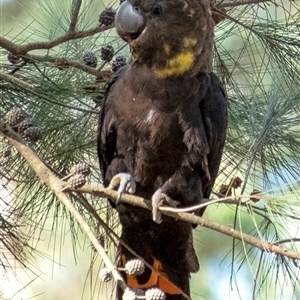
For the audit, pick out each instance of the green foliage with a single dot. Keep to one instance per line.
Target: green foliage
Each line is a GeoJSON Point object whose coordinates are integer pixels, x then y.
{"type": "Point", "coordinates": [257, 57]}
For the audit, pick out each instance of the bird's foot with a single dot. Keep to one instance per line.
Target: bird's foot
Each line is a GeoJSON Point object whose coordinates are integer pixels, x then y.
{"type": "Point", "coordinates": [158, 199]}
{"type": "Point", "coordinates": [124, 182]}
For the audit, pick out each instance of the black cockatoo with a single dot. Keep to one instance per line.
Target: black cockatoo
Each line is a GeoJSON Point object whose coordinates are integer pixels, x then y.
{"type": "Point", "coordinates": [161, 132]}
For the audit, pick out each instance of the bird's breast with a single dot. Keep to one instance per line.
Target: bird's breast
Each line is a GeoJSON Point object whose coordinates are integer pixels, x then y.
{"type": "Point", "coordinates": [154, 138]}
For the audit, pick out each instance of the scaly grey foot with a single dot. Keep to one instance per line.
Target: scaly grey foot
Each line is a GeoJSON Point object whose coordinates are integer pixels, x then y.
{"type": "Point", "coordinates": [158, 199]}
{"type": "Point", "coordinates": [124, 182]}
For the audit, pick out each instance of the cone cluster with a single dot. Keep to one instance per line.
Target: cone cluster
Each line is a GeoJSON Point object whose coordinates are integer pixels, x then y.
{"type": "Point", "coordinates": [77, 175]}
{"type": "Point", "coordinates": [107, 52]}
{"type": "Point", "coordinates": [107, 17]}
{"type": "Point", "coordinates": [155, 294]}
{"type": "Point", "coordinates": [90, 59]}
{"type": "Point", "coordinates": [101, 240]}
{"type": "Point", "coordinates": [12, 58]}
{"type": "Point", "coordinates": [118, 63]}
{"type": "Point", "coordinates": [135, 267]}
{"type": "Point", "coordinates": [20, 122]}
{"type": "Point", "coordinates": [105, 275]}
{"type": "Point", "coordinates": [150, 294]}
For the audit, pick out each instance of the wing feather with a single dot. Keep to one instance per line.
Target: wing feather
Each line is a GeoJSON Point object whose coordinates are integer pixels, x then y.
{"type": "Point", "coordinates": [107, 131]}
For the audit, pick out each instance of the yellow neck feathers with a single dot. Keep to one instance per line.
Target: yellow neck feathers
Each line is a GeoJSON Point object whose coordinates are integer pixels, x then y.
{"type": "Point", "coordinates": [179, 63]}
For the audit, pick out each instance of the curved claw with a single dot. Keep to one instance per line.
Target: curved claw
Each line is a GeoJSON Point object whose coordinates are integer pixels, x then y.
{"type": "Point", "coordinates": [158, 199]}
{"type": "Point", "coordinates": [125, 184]}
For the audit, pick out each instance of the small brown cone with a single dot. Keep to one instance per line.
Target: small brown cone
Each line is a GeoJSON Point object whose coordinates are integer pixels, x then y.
{"type": "Point", "coordinates": [77, 180]}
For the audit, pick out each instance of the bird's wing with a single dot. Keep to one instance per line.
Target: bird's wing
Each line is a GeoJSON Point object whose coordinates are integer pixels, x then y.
{"type": "Point", "coordinates": [107, 133]}
{"type": "Point", "coordinates": [214, 113]}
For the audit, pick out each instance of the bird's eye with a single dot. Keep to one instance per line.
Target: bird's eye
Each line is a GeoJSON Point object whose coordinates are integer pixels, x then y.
{"type": "Point", "coordinates": [157, 10]}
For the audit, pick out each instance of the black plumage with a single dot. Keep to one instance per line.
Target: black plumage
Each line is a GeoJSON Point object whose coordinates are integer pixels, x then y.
{"type": "Point", "coordinates": [162, 128]}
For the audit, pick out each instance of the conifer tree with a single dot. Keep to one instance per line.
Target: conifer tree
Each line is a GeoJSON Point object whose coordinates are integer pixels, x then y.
{"type": "Point", "coordinates": [52, 80]}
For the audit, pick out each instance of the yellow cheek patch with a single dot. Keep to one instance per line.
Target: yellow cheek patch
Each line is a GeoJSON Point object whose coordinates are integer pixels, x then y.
{"type": "Point", "coordinates": [176, 65]}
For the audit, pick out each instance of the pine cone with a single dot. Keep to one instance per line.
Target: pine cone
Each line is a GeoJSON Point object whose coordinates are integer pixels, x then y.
{"type": "Point", "coordinates": [118, 63]}
{"type": "Point", "coordinates": [15, 116]}
{"type": "Point", "coordinates": [77, 180]}
{"type": "Point", "coordinates": [33, 134]}
{"type": "Point", "coordinates": [90, 59]}
{"type": "Point", "coordinates": [155, 294]}
{"type": "Point", "coordinates": [107, 17]}
{"type": "Point", "coordinates": [135, 267]}
{"type": "Point", "coordinates": [236, 182]}
{"type": "Point", "coordinates": [225, 190]}
{"type": "Point", "coordinates": [81, 168]}
{"type": "Point", "coordinates": [105, 275]}
{"type": "Point", "coordinates": [107, 53]}
{"type": "Point", "coordinates": [129, 295]}
{"type": "Point", "coordinates": [255, 192]}
{"type": "Point", "coordinates": [12, 58]}
{"type": "Point", "coordinates": [22, 126]}
{"type": "Point", "coordinates": [101, 240]}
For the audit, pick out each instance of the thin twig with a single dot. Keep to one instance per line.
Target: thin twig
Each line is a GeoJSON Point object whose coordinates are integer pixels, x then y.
{"type": "Point", "coordinates": [256, 275]}
{"type": "Point", "coordinates": [240, 3]}
{"type": "Point", "coordinates": [287, 241]}
{"type": "Point", "coordinates": [15, 80]}
{"type": "Point", "coordinates": [76, 4]}
{"type": "Point", "coordinates": [17, 68]}
{"type": "Point", "coordinates": [103, 74]}
{"type": "Point", "coordinates": [232, 199]}
{"type": "Point", "coordinates": [75, 35]}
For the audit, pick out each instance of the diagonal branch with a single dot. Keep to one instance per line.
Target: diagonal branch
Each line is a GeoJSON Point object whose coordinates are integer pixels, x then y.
{"type": "Point", "coordinates": [70, 35]}
{"type": "Point", "coordinates": [57, 185]}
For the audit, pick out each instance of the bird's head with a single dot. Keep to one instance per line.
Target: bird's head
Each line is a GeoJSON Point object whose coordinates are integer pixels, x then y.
{"type": "Point", "coordinates": [172, 37]}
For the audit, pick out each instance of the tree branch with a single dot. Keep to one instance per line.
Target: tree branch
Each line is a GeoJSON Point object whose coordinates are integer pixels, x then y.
{"type": "Point", "coordinates": [111, 233]}
{"type": "Point", "coordinates": [146, 204]}
{"type": "Point", "coordinates": [56, 185]}
{"type": "Point", "coordinates": [105, 74]}
{"type": "Point", "coordinates": [14, 80]}
{"type": "Point", "coordinates": [240, 3]}
{"type": "Point", "coordinates": [70, 35]}
{"type": "Point", "coordinates": [76, 4]}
